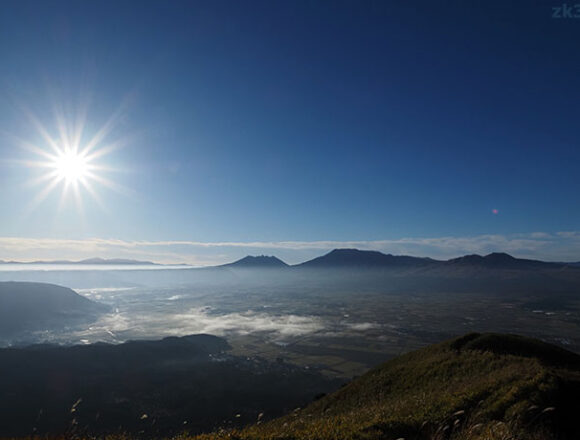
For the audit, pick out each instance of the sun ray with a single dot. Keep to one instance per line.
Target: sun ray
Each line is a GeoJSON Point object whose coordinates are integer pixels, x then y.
{"type": "Point", "coordinates": [42, 195]}
{"type": "Point", "coordinates": [107, 149]}
{"type": "Point", "coordinates": [63, 196]}
{"type": "Point", "coordinates": [81, 117]}
{"type": "Point", "coordinates": [106, 129]}
{"type": "Point", "coordinates": [42, 131]}
{"type": "Point", "coordinates": [26, 145]}
{"type": "Point", "coordinates": [35, 163]}
{"type": "Point", "coordinates": [40, 180]}
{"type": "Point", "coordinates": [109, 184]}
{"type": "Point", "coordinates": [78, 198]}
{"type": "Point", "coordinates": [96, 197]}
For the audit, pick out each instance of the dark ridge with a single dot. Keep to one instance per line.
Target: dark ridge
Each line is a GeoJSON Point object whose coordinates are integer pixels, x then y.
{"type": "Point", "coordinates": [501, 260]}
{"type": "Point", "coordinates": [459, 343]}
{"type": "Point", "coordinates": [518, 346]}
{"type": "Point", "coordinates": [261, 261]}
{"type": "Point", "coordinates": [355, 258]}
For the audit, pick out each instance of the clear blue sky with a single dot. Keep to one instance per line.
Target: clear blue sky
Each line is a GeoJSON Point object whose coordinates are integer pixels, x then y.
{"type": "Point", "coordinates": [300, 121]}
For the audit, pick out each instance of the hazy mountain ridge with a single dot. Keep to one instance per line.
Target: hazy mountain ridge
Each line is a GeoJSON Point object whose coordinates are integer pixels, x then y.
{"type": "Point", "coordinates": [260, 261]}
{"type": "Point", "coordinates": [353, 269]}
{"type": "Point", "coordinates": [344, 258]}
{"type": "Point", "coordinates": [368, 259]}
{"type": "Point", "coordinates": [364, 259]}
{"type": "Point", "coordinates": [505, 261]}
{"type": "Point", "coordinates": [95, 260]}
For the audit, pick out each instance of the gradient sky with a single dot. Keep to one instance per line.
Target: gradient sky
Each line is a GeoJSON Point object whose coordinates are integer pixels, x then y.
{"type": "Point", "coordinates": [449, 125]}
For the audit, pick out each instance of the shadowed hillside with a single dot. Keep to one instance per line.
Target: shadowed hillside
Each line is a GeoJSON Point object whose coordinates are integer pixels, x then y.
{"type": "Point", "coordinates": [156, 388]}
{"type": "Point", "coordinates": [28, 306]}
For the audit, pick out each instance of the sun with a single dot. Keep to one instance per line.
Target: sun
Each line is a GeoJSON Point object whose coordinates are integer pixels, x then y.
{"type": "Point", "coordinates": [72, 167]}
{"type": "Point", "coordinates": [70, 160]}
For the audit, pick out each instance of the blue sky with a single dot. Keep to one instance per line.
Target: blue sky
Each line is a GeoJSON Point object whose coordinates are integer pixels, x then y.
{"type": "Point", "coordinates": [367, 123]}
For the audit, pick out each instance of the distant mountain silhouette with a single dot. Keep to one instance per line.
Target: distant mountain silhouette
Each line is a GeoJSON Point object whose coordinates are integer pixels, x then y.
{"type": "Point", "coordinates": [502, 261]}
{"type": "Point", "coordinates": [113, 261]}
{"type": "Point", "coordinates": [359, 259]}
{"type": "Point", "coordinates": [261, 261]}
{"type": "Point", "coordinates": [28, 307]}
{"type": "Point", "coordinates": [354, 258]}
{"type": "Point", "coordinates": [86, 261]}
{"type": "Point", "coordinates": [364, 259]}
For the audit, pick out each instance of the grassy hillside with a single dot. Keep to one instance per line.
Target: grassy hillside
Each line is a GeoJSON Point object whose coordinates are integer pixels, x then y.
{"type": "Point", "coordinates": [480, 386]}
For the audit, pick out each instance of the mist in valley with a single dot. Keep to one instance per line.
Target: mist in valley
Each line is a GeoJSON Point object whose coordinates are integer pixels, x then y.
{"type": "Point", "coordinates": [341, 319]}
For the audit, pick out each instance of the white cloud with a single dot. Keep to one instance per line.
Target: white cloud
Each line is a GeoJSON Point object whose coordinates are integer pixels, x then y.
{"type": "Point", "coordinates": [117, 327]}
{"type": "Point", "coordinates": [199, 321]}
{"type": "Point", "coordinates": [364, 326]}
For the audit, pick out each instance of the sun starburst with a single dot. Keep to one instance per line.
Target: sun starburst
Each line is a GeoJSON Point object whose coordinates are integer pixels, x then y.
{"type": "Point", "coordinates": [69, 162]}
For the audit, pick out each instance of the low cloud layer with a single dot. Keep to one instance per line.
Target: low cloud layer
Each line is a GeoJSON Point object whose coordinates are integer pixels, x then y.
{"type": "Point", "coordinates": [558, 246]}
{"type": "Point", "coordinates": [118, 327]}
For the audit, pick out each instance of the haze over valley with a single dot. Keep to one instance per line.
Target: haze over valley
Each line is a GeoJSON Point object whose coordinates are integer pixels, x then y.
{"type": "Point", "coordinates": [343, 312]}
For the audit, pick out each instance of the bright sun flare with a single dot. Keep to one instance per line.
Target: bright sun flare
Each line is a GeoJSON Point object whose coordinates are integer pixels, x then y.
{"type": "Point", "coordinates": [72, 167]}
{"type": "Point", "coordinates": [71, 161]}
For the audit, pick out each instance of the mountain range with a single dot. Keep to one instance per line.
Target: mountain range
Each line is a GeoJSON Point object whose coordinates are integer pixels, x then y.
{"type": "Point", "coordinates": [347, 258]}
{"type": "Point", "coordinates": [365, 259]}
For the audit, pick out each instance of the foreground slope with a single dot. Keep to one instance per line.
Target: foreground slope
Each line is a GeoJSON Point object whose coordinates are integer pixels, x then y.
{"type": "Point", "coordinates": [478, 386]}
{"type": "Point", "coordinates": [153, 388]}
